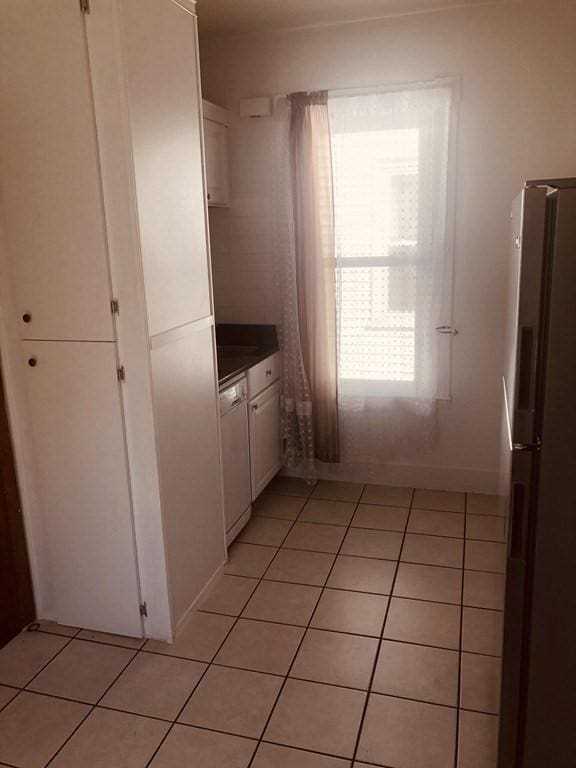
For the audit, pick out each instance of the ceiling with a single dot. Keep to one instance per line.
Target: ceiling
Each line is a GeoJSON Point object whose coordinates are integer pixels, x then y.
{"type": "Point", "coordinates": [224, 17]}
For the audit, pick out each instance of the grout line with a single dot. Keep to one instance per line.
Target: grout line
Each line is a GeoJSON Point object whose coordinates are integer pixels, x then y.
{"type": "Point", "coordinates": [459, 682]}
{"type": "Point", "coordinates": [299, 519]}
{"type": "Point", "coordinates": [287, 676]}
{"type": "Point", "coordinates": [92, 706]}
{"type": "Point", "coordinates": [214, 656]}
{"type": "Point", "coordinates": [366, 557]}
{"type": "Point", "coordinates": [380, 640]}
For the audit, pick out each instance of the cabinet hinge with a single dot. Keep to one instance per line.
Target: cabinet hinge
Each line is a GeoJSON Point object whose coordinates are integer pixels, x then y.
{"type": "Point", "coordinates": [115, 307]}
{"type": "Point", "coordinates": [144, 609]}
{"type": "Point", "coordinates": [121, 373]}
{"type": "Point", "coordinates": [85, 6]}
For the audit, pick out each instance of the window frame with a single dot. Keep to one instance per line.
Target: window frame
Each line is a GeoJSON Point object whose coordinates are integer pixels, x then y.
{"type": "Point", "coordinates": [445, 342]}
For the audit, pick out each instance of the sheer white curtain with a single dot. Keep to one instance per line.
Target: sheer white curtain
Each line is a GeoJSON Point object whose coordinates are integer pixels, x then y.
{"type": "Point", "coordinates": [390, 170]}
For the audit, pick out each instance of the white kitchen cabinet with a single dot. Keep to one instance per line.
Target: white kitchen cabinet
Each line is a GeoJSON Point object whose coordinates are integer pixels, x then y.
{"type": "Point", "coordinates": [49, 183]}
{"type": "Point", "coordinates": [122, 472]}
{"type": "Point", "coordinates": [189, 459]}
{"type": "Point", "coordinates": [75, 416]}
{"type": "Point", "coordinates": [166, 120]}
{"type": "Point", "coordinates": [265, 438]}
{"type": "Point", "coordinates": [216, 154]}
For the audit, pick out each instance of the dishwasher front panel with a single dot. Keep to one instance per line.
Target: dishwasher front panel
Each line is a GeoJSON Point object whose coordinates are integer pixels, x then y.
{"type": "Point", "coordinates": [235, 453]}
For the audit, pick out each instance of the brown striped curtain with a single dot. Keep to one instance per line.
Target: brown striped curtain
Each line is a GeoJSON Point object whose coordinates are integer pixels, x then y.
{"type": "Point", "coordinates": [314, 240]}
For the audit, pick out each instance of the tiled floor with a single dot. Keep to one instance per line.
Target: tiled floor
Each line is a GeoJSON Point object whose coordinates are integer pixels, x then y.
{"type": "Point", "coordinates": [354, 626]}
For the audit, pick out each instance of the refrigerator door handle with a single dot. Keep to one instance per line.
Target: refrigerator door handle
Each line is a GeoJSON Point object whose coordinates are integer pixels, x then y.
{"type": "Point", "coordinates": [525, 390]}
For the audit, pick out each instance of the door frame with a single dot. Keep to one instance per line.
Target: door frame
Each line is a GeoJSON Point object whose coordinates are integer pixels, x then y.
{"type": "Point", "coordinates": [18, 561]}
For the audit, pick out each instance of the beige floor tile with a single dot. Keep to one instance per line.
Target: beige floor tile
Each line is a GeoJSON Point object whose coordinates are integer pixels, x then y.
{"type": "Point", "coordinates": [155, 685]}
{"type": "Point", "coordinates": [265, 531]}
{"type": "Point", "coordinates": [291, 486]}
{"type": "Point", "coordinates": [362, 575]}
{"type": "Point", "coordinates": [282, 602]}
{"type": "Point", "coordinates": [315, 537]}
{"type": "Point", "coordinates": [387, 495]}
{"type": "Point", "coordinates": [477, 740]}
{"type": "Point", "coordinates": [338, 491]}
{"type": "Point", "coordinates": [33, 728]}
{"type": "Point", "coordinates": [378, 544]}
{"type": "Point", "coordinates": [260, 646]}
{"type": "Point", "coordinates": [248, 560]}
{"type": "Point", "coordinates": [199, 639]}
{"type": "Point", "coordinates": [343, 611]}
{"type": "Point", "coordinates": [448, 501]}
{"type": "Point", "coordinates": [417, 672]}
{"type": "Point", "coordinates": [233, 700]}
{"type": "Point", "coordinates": [6, 695]}
{"type": "Point", "coordinates": [408, 734]}
{"type": "Point", "coordinates": [186, 746]}
{"type": "Point", "coordinates": [25, 655]}
{"type": "Point", "coordinates": [486, 528]}
{"type": "Point", "coordinates": [329, 512]}
{"type": "Point", "coordinates": [336, 658]}
{"type": "Point", "coordinates": [82, 671]}
{"type": "Point", "coordinates": [436, 523]}
{"type": "Point", "coordinates": [108, 738]}
{"type": "Point", "coordinates": [482, 631]}
{"type": "Point", "coordinates": [317, 717]}
{"type": "Point", "coordinates": [418, 621]}
{"type": "Point", "coordinates": [428, 582]}
{"type": "Point", "coordinates": [380, 518]}
{"type": "Point", "coordinates": [485, 504]}
{"type": "Point", "coordinates": [480, 683]}
{"type": "Point", "coordinates": [57, 629]}
{"type": "Point", "coordinates": [272, 756]}
{"type": "Point", "coordinates": [433, 550]}
{"type": "Point", "coordinates": [103, 637]}
{"type": "Point", "coordinates": [485, 556]}
{"type": "Point", "coordinates": [229, 595]}
{"type": "Point", "coordinates": [484, 590]}
{"type": "Point", "coordinates": [300, 567]}
{"type": "Point", "coordinates": [281, 507]}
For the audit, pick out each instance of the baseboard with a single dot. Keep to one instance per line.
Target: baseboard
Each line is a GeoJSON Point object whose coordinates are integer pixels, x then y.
{"type": "Point", "coordinates": [419, 476]}
{"type": "Point", "coordinates": [191, 608]}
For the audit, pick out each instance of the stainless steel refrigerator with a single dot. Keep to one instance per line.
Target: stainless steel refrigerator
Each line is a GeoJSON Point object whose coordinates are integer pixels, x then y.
{"type": "Point", "coordinates": [538, 712]}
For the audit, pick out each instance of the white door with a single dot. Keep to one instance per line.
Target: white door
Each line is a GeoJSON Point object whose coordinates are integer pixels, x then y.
{"type": "Point", "coordinates": [78, 440]}
{"type": "Point", "coordinates": [265, 439]}
{"type": "Point", "coordinates": [165, 114]}
{"type": "Point", "coordinates": [186, 413]}
{"type": "Point", "coordinates": [216, 152]}
{"type": "Point", "coordinates": [49, 177]}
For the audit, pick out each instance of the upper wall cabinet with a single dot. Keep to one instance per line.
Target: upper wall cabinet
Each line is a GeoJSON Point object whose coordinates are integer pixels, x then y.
{"type": "Point", "coordinates": [216, 149]}
{"type": "Point", "coordinates": [49, 182]}
{"type": "Point", "coordinates": [165, 115]}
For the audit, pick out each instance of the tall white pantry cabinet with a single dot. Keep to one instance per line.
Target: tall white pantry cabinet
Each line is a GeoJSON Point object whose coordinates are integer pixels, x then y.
{"type": "Point", "coordinates": [103, 207]}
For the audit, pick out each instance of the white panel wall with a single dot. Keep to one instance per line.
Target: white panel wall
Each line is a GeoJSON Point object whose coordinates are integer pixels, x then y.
{"type": "Point", "coordinates": [517, 121]}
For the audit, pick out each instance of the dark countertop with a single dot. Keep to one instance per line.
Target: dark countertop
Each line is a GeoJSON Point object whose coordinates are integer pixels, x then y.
{"type": "Point", "coordinates": [239, 347]}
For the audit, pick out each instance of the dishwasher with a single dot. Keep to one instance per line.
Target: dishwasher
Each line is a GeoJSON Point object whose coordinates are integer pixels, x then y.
{"type": "Point", "coordinates": [235, 456]}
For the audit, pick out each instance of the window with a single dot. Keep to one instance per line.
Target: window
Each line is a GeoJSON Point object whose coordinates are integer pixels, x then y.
{"type": "Point", "coordinates": [390, 160]}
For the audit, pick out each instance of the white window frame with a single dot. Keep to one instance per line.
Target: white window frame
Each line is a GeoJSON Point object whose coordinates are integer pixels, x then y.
{"type": "Point", "coordinates": [446, 316]}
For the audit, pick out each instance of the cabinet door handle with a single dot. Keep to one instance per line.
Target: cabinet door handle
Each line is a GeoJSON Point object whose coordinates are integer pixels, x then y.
{"type": "Point", "coordinates": [255, 407]}
{"type": "Point", "coordinates": [27, 317]}
{"type": "Point", "coordinates": [269, 372]}
{"type": "Point", "coordinates": [32, 362]}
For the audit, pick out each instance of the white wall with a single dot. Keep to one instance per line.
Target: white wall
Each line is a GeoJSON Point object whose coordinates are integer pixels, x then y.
{"type": "Point", "coordinates": [517, 64]}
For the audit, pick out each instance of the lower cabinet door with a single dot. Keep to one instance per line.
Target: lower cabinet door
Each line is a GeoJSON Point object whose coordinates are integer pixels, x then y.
{"type": "Point", "coordinates": [265, 438]}
{"type": "Point", "coordinates": [75, 417]}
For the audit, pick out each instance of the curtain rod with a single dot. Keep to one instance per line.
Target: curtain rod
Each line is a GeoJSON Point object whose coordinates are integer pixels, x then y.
{"type": "Point", "coordinates": [337, 93]}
